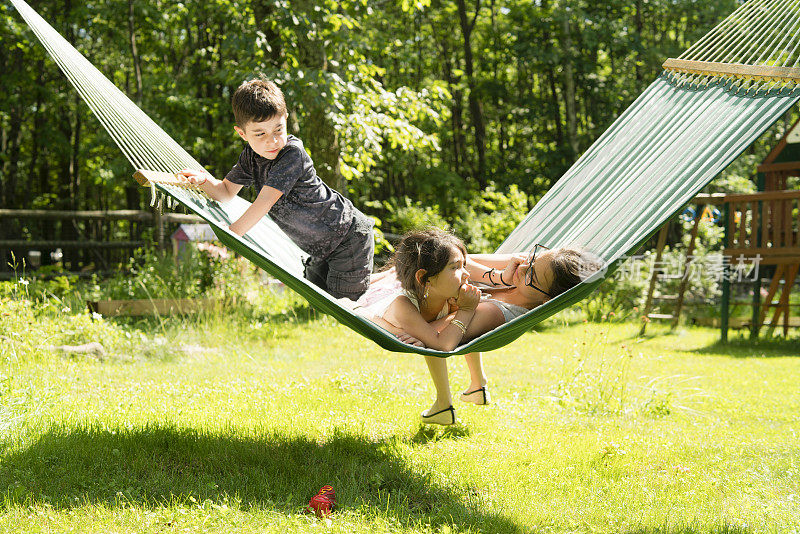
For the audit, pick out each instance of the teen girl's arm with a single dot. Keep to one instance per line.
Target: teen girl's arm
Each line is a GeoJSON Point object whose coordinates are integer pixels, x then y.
{"type": "Point", "coordinates": [406, 316]}
{"type": "Point", "coordinates": [493, 269]}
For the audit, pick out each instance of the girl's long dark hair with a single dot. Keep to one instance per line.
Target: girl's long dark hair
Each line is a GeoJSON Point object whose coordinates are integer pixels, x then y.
{"type": "Point", "coordinates": [427, 249]}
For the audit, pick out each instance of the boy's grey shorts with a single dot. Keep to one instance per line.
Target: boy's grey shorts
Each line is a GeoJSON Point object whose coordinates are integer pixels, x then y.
{"type": "Point", "coordinates": [345, 272]}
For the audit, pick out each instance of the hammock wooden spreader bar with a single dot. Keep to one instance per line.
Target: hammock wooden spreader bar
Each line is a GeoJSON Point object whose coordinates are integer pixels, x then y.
{"type": "Point", "coordinates": [149, 178]}
{"type": "Point", "coordinates": [756, 48]}
{"type": "Point", "coordinates": [734, 70]}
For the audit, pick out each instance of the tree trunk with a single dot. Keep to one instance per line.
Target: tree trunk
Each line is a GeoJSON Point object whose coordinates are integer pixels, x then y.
{"type": "Point", "coordinates": [12, 163]}
{"type": "Point", "coordinates": [456, 110]}
{"type": "Point", "coordinates": [639, 44]}
{"type": "Point", "coordinates": [569, 86]}
{"type": "Point", "coordinates": [320, 133]}
{"type": "Point", "coordinates": [475, 107]}
{"type": "Point", "coordinates": [551, 77]}
{"type": "Point", "coordinates": [74, 160]}
{"type": "Point", "coordinates": [137, 62]}
{"type": "Point", "coordinates": [38, 119]}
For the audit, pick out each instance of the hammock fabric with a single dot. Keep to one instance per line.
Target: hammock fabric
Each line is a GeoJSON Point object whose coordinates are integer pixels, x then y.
{"type": "Point", "coordinates": [705, 109]}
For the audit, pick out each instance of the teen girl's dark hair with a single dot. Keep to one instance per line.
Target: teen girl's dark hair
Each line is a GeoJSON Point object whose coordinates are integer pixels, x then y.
{"type": "Point", "coordinates": [257, 101]}
{"type": "Point", "coordinates": [427, 249]}
{"type": "Point", "coordinates": [571, 266]}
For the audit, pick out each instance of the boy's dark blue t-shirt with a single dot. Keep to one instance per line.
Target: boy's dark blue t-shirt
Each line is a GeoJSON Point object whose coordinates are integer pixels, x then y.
{"type": "Point", "coordinates": [312, 214]}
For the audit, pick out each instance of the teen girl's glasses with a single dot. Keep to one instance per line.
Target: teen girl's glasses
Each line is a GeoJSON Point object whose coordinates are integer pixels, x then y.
{"type": "Point", "coordinates": [537, 248]}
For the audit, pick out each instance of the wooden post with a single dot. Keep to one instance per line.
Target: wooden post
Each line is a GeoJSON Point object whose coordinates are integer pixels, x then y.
{"type": "Point", "coordinates": [755, 233]}
{"type": "Point", "coordinates": [662, 241]}
{"type": "Point", "coordinates": [158, 228]}
{"type": "Point", "coordinates": [685, 278]}
{"type": "Point", "coordinates": [726, 283]}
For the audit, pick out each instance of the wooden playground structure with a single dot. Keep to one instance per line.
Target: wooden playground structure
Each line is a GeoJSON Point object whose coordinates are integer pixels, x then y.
{"type": "Point", "coordinates": [762, 230]}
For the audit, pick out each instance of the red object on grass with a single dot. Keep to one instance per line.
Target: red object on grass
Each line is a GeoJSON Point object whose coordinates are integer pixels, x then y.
{"type": "Point", "coordinates": [323, 502]}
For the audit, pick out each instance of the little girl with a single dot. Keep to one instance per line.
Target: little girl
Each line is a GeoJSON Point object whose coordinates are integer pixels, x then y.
{"type": "Point", "coordinates": [426, 280]}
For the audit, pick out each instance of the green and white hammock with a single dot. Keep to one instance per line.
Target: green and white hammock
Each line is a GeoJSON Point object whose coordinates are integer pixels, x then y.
{"type": "Point", "coordinates": [704, 110]}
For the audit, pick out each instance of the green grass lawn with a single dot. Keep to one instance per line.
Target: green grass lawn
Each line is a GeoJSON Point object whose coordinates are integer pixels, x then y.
{"type": "Point", "coordinates": [227, 424]}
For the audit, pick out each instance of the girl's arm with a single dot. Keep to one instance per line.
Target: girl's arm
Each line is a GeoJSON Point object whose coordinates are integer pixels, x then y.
{"type": "Point", "coordinates": [487, 318]}
{"type": "Point", "coordinates": [406, 316]}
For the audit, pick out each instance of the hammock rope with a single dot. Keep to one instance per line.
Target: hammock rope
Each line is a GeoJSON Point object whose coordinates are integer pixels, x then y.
{"type": "Point", "coordinates": [705, 109]}
{"type": "Point", "coordinates": [754, 49]}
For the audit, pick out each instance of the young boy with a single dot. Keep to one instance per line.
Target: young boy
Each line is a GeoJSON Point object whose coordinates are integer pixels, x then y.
{"type": "Point", "coordinates": [338, 237]}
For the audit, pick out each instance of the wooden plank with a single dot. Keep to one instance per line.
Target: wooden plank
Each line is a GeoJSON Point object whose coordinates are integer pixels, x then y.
{"type": "Point", "coordinates": [20, 243]}
{"type": "Point", "coordinates": [731, 222]}
{"type": "Point", "coordinates": [764, 195]}
{"type": "Point", "coordinates": [772, 224]}
{"type": "Point", "coordinates": [735, 70]}
{"type": "Point", "coordinates": [109, 215]}
{"type": "Point", "coordinates": [112, 308]}
{"type": "Point", "coordinates": [764, 251]}
{"type": "Point", "coordinates": [664, 316]}
{"type": "Point", "coordinates": [145, 177]}
{"type": "Point", "coordinates": [787, 223]}
{"type": "Point", "coordinates": [777, 167]}
{"type": "Point", "coordinates": [743, 209]}
{"type": "Point", "coordinates": [709, 198]}
{"type": "Point", "coordinates": [773, 287]}
{"type": "Point", "coordinates": [98, 215]}
{"type": "Point", "coordinates": [662, 241]}
{"type": "Point", "coordinates": [795, 223]}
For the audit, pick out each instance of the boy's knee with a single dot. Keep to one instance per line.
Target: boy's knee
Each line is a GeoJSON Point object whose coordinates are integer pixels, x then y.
{"type": "Point", "coordinates": [351, 284]}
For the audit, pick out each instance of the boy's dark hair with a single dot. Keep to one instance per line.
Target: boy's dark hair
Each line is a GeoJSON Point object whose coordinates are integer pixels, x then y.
{"type": "Point", "coordinates": [427, 249]}
{"type": "Point", "coordinates": [571, 266]}
{"type": "Point", "coordinates": [256, 101]}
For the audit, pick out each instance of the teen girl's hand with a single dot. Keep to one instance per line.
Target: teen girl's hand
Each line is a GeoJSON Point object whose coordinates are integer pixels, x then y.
{"type": "Point", "coordinates": [194, 177]}
{"type": "Point", "coordinates": [516, 260]}
{"type": "Point", "coordinates": [468, 297]}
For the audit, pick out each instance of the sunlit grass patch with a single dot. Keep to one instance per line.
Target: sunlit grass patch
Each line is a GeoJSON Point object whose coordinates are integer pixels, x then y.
{"type": "Point", "coordinates": [231, 420]}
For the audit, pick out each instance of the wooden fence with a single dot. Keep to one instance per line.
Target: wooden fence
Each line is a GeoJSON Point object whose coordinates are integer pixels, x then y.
{"type": "Point", "coordinates": [766, 224]}
{"type": "Point", "coordinates": [84, 239]}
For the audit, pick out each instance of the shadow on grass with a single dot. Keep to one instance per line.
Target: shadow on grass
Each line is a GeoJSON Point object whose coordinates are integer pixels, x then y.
{"type": "Point", "coordinates": [158, 465]}
{"type": "Point", "coordinates": [724, 529]}
{"type": "Point", "coordinates": [430, 433]}
{"type": "Point", "coordinates": [742, 347]}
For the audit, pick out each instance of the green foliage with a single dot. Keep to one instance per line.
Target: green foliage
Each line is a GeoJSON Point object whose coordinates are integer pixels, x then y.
{"type": "Point", "coordinates": [405, 216]}
{"type": "Point", "coordinates": [486, 222]}
{"type": "Point", "coordinates": [196, 271]}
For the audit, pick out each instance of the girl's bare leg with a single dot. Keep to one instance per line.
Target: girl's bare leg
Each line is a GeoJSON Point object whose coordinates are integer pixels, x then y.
{"type": "Point", "coordinates": [438, 370]}
{"type": "Point", "coordinates": [477, 376]}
